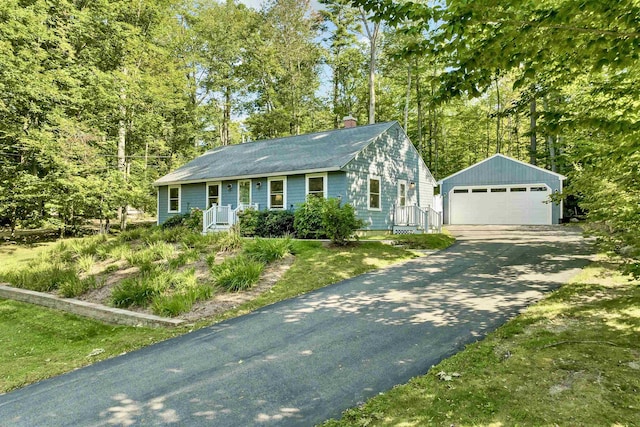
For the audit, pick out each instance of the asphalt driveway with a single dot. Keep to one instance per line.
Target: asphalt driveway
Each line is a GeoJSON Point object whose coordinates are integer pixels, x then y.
{"type": "Point", "coordinates": [304, 360]}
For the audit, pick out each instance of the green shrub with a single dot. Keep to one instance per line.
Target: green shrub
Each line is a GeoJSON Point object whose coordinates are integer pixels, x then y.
{"type": "Point", "coordinates": [174, 221]}
{"type": "Point", "coordinates": [237, 274]}
{"type": "Point", "coordinates": [137, 291]}
{"type": "Point", "coordinates": [249, 222]}
{"type": "Point", "coordinates": [320, 218]}
{"type": "Point", "coordinates": [266, 223]}
{"type": "Point", "coordinates": [267, 250]}
{"type": "Point", "coordinates": [308, 219]}
{"type": "Point", "coordinates": [194, 220]}
{"type": "Point", "coordinates": [277, 224]}
{"type": "Point", "coordinates": [339, 221]}
{"type": "Point", "coordinates": [191, 220]}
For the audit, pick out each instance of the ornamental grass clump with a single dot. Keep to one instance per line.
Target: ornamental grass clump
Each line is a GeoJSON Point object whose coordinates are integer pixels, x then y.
{"type": "Point", "coordinates": [237, 274]}
{"type": "Point", "coordinates": [138, 291]}
{"type": "Point", "coordinates": [267, 250]}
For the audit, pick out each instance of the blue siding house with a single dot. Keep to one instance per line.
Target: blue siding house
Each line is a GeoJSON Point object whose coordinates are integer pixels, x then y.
{"type": "Point", "coordinates": [375, 168]}
{"type": "Point", "coordinates": [501, 190]}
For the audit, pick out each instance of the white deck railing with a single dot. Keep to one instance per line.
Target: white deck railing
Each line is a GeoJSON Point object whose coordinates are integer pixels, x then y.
{"type": "Point", "coordinates": [218, 215]}
{"type": "Point", "coordinates": [426, 219]}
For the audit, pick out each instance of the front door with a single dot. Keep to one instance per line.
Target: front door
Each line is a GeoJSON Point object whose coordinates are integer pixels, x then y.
{"type": "Point", "coordinates": [402, 193]}
{"type": "Point", "coordinates": [244, 192]}
{"type": "Point", "coordinates": [213, 194]}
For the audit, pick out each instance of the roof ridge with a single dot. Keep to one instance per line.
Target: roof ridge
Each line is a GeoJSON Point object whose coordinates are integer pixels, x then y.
{"type": "Point", "coordinates": [260, 141]}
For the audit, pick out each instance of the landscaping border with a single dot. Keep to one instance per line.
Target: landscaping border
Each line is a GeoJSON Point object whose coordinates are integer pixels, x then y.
{"type": "Point", "coordinates": [87, 309]}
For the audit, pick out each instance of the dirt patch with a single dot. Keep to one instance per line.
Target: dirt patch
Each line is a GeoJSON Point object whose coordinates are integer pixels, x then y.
{"type": "Point", "coordinates": [226, 301]}
{"type": "Point", "coordinates": [220, 301]}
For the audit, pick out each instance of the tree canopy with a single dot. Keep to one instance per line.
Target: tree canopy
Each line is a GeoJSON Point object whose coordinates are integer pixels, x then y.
{"type": "Point", "coordinates": [98, 99]}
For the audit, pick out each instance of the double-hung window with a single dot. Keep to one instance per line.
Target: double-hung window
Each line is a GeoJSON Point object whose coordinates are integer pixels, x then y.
{"type": "Point", "coordinates": [374, 193]}
{"type": "Point", "coordinates": [277, 193]}
{"type": "Point", "coordinates": [174, 199]}
{"type": "Point", "coordinates": [317, 185]}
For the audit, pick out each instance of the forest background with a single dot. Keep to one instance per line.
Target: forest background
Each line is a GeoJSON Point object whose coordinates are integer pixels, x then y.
{"type": "Point", "coordinates": [98, 98]}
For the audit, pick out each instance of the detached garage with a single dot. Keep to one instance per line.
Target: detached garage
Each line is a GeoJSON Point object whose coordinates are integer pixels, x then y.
{"type": "Point", "coordinates": [501, 190]}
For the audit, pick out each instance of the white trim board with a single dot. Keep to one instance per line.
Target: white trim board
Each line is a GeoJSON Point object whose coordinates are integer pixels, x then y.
{"type": "Point", "coordinates": [239, 177]}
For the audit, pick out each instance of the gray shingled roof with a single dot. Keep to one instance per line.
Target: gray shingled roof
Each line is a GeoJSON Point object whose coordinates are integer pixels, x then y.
{"type": "Point", "coordinates": [330, 150]}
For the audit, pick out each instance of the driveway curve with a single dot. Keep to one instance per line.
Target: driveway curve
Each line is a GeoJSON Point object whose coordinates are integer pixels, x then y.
{"type": "Point", "coordinates": [304, 360]}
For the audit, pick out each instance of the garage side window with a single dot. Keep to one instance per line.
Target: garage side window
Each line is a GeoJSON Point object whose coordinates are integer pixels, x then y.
{"type": "Point", "coordinates": [174, 199]}
{"type": "Point", "coordinates": [374, 193]}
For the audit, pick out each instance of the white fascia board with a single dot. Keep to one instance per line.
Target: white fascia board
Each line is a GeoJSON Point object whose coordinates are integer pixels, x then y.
{"type": "Point", "coordinates": [252, 176]}
{"type": "Point", "coordinates": [561, 177]}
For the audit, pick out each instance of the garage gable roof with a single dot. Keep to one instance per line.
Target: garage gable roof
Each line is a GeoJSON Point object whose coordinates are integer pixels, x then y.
{"type": "Point", "coordinates": [559, 176]}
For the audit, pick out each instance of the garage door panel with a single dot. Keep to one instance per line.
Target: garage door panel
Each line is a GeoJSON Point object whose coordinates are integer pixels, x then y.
{"type": "Point", "coordinates": [512, 206]}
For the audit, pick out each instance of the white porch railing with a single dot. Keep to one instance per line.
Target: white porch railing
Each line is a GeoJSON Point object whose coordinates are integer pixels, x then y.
{"type": "Point", "coordinates": [218, 216]}
{"type": "Point", "coordinates": [426, 219]}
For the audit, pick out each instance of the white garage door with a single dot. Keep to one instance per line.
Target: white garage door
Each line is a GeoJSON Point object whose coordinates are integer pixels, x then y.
{"type": "Point", "coordinates": [516, 204]}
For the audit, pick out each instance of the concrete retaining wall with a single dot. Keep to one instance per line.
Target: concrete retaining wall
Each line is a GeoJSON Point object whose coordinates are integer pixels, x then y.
{"type": "Point", "coordinates": [87, 309]}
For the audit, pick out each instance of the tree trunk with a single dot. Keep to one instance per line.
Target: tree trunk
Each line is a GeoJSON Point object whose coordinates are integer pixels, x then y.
{"type": "Point", "coordinates": [226, 118]}
{"type": "Point", "coordinates": [336, 117]}
{"type": "Point", "coordinates": [372, 35]}
{"type": "Point", "coordinates": [122, 143]}
{"type": "Point", "coordinates": [532, 132]}
{"type": "Point", "coordinates": [407, 99]}
{"type": "Point", "coordinates": [498, 118]}
{"type": "Point", "coordinates": [419, 104]}
{"type": "Point", "coordinates": [551, 143]}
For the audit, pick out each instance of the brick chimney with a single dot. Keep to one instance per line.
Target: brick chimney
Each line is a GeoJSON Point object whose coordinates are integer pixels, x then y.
{"type": "Point", "coordinates": [349, 122]}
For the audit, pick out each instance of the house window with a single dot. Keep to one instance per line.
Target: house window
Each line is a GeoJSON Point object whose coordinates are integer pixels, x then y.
{"type": "Point", "coordinates": [174, 199]}
{"type": "Point", "coordinates": [317, 185]}
{"type": "Point", "coordinates": [244, 192]}
{"type": "Point", "coordinates": [213, 194]}
{"type": "Point", "coordinates": [374, 193]}
{"type": "Point", "coordinates": [277, 193]}
{"type": "Point", "coordinates": [402, 193]}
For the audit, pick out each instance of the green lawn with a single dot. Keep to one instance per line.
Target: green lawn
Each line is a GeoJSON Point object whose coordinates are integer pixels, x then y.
{"type": "Point", "coordinates": [572, 359]}
{"type": "Point", "coordinates": [36, 343]}
{"type": "Point", "coordinates": [14, 256]}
